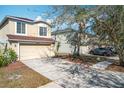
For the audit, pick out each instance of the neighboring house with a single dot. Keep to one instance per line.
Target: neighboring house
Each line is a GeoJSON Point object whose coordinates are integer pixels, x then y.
{"type": "Point", "coordinates": [30, 39]}
{"type": "Point", "coordinates": [65, 47]}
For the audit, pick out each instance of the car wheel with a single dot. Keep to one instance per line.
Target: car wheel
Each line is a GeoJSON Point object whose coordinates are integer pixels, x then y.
{"type": "Point", "coordinates": [104, 54]}
{"type": "Point", "coordinates": [91, 52]}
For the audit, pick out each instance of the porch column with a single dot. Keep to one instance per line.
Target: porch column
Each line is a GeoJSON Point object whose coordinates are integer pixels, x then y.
{"type": "Point", "coordinates": [18, 50]}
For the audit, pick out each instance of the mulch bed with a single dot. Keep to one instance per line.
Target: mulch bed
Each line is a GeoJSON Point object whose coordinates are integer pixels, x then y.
{"type": "Point", "coordinates": [29, 78]}
{"type": "Point", "coordinates": [115, 67]}
{"type": "Point", "coordinates": [14, 66]}
{"type": "Point", "coordinates": [86, 60]}
{"type": "Point", "coordinates": [90, 60]}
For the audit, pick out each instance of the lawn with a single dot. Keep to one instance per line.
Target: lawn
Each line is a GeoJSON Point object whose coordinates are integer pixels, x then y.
{"type": "Point", "coordinates": [18, 75]}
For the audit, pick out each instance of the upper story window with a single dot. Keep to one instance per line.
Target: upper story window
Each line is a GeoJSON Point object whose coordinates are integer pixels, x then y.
{"type": "Point", "coordinates": [42, 31]}
{"type": "Point", "coordinates": [20, 28]}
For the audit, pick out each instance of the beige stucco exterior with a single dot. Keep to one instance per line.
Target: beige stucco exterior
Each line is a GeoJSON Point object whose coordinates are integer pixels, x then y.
{"type": "Point", "coordinates": [27, 51]}
{"type": "Point", "coordinates": [65, 47]}
{"type": "Point", "coordinates": [31, 29]}
{"type": "Point", "coordinates": [3, 31]}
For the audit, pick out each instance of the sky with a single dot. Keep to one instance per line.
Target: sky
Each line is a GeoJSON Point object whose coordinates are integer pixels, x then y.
{"type": "Point", "coordinates": [28, 11]}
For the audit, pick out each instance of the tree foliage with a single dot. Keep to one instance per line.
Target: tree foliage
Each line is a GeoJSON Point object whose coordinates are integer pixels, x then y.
{"type": "Point", "coordinates": [109, 25]}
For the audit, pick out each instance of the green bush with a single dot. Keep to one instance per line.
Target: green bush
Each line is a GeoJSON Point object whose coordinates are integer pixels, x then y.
{"type": "Point", "coordinates": [11, 55]}
{"type": "Point", "coordinates": [8, 57]}
{"type": "Point", "coordinates": [3, 60]}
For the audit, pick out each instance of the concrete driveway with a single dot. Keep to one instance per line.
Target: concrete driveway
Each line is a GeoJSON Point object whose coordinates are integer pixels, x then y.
{"type": "Point", "coordinates": [51, 68]}
{"type": "Point", "coordinates": [69, 75]}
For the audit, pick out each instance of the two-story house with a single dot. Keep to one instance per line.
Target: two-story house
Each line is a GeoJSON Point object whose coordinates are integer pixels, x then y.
{"type": "Point", "coordinates": [30, 39]}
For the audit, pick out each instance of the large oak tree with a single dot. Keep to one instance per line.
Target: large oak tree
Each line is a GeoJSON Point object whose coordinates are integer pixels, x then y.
{"type": "Point", "coordinates": [109, 24]}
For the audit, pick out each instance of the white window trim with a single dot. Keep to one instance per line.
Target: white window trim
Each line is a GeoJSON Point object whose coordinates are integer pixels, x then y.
{"type": "Point", "coordinates": [39, 32]}
{"type": "Point", "coordinates": [20, 33]}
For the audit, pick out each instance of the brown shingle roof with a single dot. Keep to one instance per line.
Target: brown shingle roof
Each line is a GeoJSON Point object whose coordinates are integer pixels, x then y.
{"type": "Point", "coordinates": [30, 39]}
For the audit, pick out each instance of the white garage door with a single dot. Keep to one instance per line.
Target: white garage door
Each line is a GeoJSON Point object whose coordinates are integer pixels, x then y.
{"type": "Point", "coordinates": [34, 51]}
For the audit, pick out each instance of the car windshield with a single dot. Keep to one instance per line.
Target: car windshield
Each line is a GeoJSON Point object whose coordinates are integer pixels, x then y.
{"type": "Point", "coordinates": [101, 49]}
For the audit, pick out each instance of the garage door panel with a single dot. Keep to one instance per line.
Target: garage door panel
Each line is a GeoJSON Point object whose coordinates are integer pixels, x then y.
{"type": "Point", "coordinates": [34, 51]}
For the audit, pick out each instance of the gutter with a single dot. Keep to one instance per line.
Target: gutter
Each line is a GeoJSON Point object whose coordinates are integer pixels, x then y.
{"type": "Point", "coordinates": [37, 41]}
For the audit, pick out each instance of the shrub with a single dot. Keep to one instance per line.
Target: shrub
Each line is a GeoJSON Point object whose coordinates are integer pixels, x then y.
{"type": "Point", "coordinates": [3, 60]}
{"type": "Point", "coordinates": [11, 55]}
{"type": "Point", "coordinates": [8, 57]}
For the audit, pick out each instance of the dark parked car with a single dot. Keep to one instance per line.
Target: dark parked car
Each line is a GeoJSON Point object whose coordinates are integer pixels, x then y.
{"type": "Point", "coordinates": [101, 52]}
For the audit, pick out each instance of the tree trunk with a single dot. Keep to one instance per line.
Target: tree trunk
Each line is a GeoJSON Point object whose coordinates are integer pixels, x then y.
{"type": "Point", "coordinates": [74, 52]}
{"type": "Point", "coordinates": [79, 44]}
{"type": "Point", "coordinates": [78, 50]}
{"type": "Point", "coordinates": [81, 26]}
{"type": "Point", "coordinates": [5, 49]}
{"type": "Point", "coordinates": [121, 59]}
{"type": "Point", "coordinates": [120, 51]}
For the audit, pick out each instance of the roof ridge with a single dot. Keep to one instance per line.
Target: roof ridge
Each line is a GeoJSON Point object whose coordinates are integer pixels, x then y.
{"type": "Point", "coordinates": [22, 19]}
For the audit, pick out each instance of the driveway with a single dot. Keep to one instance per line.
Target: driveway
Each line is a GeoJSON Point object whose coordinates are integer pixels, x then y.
{"type": "Point", "coordinates": [69, 75]}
